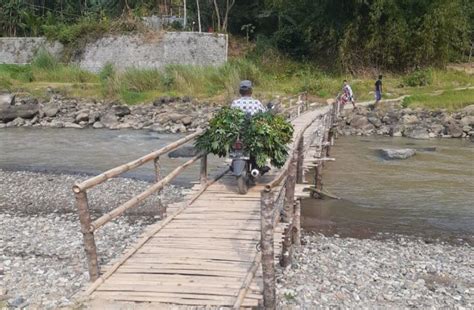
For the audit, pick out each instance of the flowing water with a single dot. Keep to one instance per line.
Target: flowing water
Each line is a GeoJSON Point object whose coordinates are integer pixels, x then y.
{"type": "Point", "coordinates": [89, 151]}
{"type": "Point", "coordinates": [429, 195]}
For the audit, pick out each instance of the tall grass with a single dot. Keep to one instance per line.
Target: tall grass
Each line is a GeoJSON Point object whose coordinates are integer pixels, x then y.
{"type": "Point", "coordinates": [450, 99]}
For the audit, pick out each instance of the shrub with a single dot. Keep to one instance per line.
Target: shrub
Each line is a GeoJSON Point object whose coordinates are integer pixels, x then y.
{"type": "Point", "coordinates": [419, 78]}
{"type": "Point", "coordinates": [44, 60]}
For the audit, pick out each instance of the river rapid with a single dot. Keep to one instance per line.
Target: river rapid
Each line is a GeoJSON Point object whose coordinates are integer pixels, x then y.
{"type": "Point", "coordinates": [430, 195]}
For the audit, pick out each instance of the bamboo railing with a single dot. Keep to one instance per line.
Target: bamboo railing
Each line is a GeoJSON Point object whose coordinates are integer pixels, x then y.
{"type": "Point", "coordinates": [89, 226]}
{"type": "Point", "coordinates": [296, 105]}
{"type": "Point", "coordinates": [278, 203]}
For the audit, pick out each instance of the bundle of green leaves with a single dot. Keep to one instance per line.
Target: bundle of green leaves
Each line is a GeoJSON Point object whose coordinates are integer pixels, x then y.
{"type": "Point", "coordinates": [265, 136]}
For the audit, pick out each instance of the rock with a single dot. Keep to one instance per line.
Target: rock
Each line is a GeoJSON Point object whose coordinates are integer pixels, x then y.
{"type": "Point", "coordinates": [454, 130]}
{"type": "Point", "coordinates": [416, 133]}
{"type": "Point", "coordinates": [397, 153]}
{"type": "Point", "coordinates": [17, 302]}
{"type": "Point", "coordinates": [178, 128]}
{"type": "Point", "coordinates": [467, 121]}
{"type": "Point", "coordinates": [467, 129]}
{"type": "Point", "coordinates": [469, 110]}
{"type": "Point", "coordinates": [17, 122]}
{"type": "Point", "coordinates": [109, 120]}
{"type": "Point", "coordinates": [187, 120]}
{"type": "Point", "coordinates": [98, 125]}
{"type": "Point", "coordinates": [94, 117]}
{"type": "Point", "coordinates": [185, 151]}
{"type": "Point", "coordinates": [426, 149]}
{"type": "Point", "coordinates": [121, 110]}
{"type": "Point", "coordinates": [50, 110]}
{"type": "Point", "coordinates": [375, 121]}
{"type": "Point", "coordinates": [72, 125]}
{"type": "Point", "coordinates": [82, 117]}
{"type": "Point", "coordinates": [437, 129]}
{"type": "Point", "coordinates": [162, 100]}
{"type": "Point", "coordinates": [8, 113]}
{"type": "Point", "coordinates": [6, 100]}
{"type": "Point", "coordinates": [175, 117]}
{"type": "Point", "coordinates": [359, 121]}
{"type": "Point", "coordinates": [409, 119]}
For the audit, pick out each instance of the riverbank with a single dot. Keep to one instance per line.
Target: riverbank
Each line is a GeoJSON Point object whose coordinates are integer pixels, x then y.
{"type": "Point", "coordinates": [165, 114]}
{"type": "Point", "coordinates": [392, 119]}
{"type": "Point", "coordinates": [42, 260]}
{"type": "Point", "coordinates": [396, 273]}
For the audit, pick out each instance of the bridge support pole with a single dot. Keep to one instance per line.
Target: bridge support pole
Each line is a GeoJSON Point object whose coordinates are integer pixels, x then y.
{"type": "Point", "coordinates": [203, 174]}
{"type": "Point", "coordinates": [268, 263]}
{"type": "Point", "coordinates": [297, 224]}
{"type": "Point", "coordinates": [299, 166]}
{"type": "Point", "coordinates": [156, 163]}
{"type": "Point", "coordinates": [89, 242]}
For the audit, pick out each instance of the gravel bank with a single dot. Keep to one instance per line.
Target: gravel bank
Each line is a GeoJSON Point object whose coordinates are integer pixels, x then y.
{"type": "Point", "coordinates": [42, 260]}
{"type": "Point", "coordinates": [390, 274]}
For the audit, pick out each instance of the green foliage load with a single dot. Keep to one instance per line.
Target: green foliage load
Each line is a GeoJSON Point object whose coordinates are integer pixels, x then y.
{"type": "Point", "coordinates": [265, 136]}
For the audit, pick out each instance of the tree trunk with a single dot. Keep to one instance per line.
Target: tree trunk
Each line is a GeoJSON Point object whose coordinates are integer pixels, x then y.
{"type": "Point", "coordinates": [199, 15]}
{"type": "Point", "coordinates": [216, 7]}
{"type": "Point", "coordinates": [229, 6]}
{"type": "Point", "coordinates": [185, 15]}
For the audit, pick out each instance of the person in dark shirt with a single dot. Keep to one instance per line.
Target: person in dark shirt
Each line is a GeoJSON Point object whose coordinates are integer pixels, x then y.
{"type": "Point", "coordinates": [378, 90]}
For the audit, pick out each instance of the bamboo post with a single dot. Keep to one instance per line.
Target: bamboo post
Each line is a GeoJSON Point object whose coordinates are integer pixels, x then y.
{"type": "Point", "coordinates": [318, 177]}
{"type": "Point", "coordinates": [203, 176]}
{"type": "Point", "coordinates": [287, 249]}
{"type": "Point", "coordinates": [268, 263]}
{"type": "Point", "coordinates": [290, 191]}
{"type": "Point", "coordinates": [299, 165]}
{"type": "Point", "coordinates": [297, 223]}
{"type": "Point", "coordinates": [89, 242]}
{"type": "Point", "coordinates": [156, 163]}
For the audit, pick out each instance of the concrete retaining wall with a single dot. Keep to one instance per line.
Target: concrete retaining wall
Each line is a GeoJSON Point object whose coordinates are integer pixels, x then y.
{"type": "Point", "coordinates": [22, 50]}
{"type": "Point", "coordinates": [137, 51]}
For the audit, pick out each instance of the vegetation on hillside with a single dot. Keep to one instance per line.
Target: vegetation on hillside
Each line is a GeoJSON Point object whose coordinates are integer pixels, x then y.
{"type": "Point", "coordinates": [352, 35]}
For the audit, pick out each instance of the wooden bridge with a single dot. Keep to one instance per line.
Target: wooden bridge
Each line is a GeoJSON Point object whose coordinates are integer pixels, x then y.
{"type": "Point", "coordinates": [217, 249]}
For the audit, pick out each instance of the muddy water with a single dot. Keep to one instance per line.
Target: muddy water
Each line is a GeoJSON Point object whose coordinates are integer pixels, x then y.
{"type": "Point", "coordinates": [429, 195]}
{"type": "Point", "coordinates": [88, 151]}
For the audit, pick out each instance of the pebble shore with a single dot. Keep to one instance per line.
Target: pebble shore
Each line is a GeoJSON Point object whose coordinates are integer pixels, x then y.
{"type": "Point", "coordinates": [43, 265]}
{"type": "Point", "coordinates": [42, 260]}
{"type": "Point", "coordinates": [399, 273]}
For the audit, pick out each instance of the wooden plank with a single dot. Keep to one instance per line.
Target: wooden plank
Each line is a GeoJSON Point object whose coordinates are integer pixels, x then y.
{"type": "Point", "coordinates": [189, 302]}
{"type": "Point", "coordinates": [115, 295]}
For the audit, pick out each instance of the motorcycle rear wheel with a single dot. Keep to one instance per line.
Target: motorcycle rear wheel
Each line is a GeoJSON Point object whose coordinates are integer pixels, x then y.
{"type": "Point", "coordinates": [243, 183]}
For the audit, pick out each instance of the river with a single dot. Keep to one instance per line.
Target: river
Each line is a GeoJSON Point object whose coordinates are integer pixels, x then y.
{"type": "Point", "coordinates": [430, 195]}
{"type": "Point", "coordinates": [90, 152]}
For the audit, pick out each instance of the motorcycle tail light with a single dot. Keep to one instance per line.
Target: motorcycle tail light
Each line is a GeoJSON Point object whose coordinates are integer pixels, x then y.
{"type": "Point", "coordinates": [238, 145]}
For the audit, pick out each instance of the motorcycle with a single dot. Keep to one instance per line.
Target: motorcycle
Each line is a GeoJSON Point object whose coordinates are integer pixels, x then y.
{"type": "Point", "coordinates": [243, 166]}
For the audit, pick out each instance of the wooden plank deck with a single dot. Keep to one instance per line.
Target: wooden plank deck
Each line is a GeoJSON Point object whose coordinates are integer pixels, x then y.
{"type": "Point", "coordinates": [201, 257]}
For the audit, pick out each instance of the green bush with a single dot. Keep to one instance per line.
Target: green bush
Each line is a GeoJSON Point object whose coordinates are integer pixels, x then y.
{"type": "Point", "coordinates": [44, 60]}
{"type": "Point", "coordinates": [419, 78]}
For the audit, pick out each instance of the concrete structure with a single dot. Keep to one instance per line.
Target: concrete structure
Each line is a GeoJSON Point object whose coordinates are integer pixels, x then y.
{"type": "Point", "coordinates": [124, 51]}
{"type": "Point", "coordinates": [22, 50]}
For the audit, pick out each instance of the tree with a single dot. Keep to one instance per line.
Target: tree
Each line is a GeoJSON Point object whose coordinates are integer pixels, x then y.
{"type": "Point", "coordinates": [223, 9]}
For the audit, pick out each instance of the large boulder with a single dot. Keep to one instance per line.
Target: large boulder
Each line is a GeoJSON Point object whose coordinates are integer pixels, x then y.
{"type": "Point", "coordinates": [50, 110]}
{"type": "Point", "coordinates": [416, 133]}
{"type": "Point", "coordinates": [359, 121]}
{"type": "Point", "coordinates": [454, 130]}
{"type": "Point", "coordinates": [25, 111]}
{"type": "Point", "coordinates": [6, 100]}
{"type": "Point", "coordinates": [397, 153]}
{"type": "Point", "coordinates": [467, 121]}
{"type": "Point", "coordinates": [469, 110]}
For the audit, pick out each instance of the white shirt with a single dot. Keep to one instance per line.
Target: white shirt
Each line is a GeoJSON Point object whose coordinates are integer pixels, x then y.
{"type": "Point", "coordinates": [348, 90]}
{"type": "Point", "coordinates": [248, 105]}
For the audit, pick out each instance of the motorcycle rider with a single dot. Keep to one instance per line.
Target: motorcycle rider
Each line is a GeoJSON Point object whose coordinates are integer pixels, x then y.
{"type": "Point", "coordinates": [246, 103]}
{"type": "Point", "coordinates": [250, 106]}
